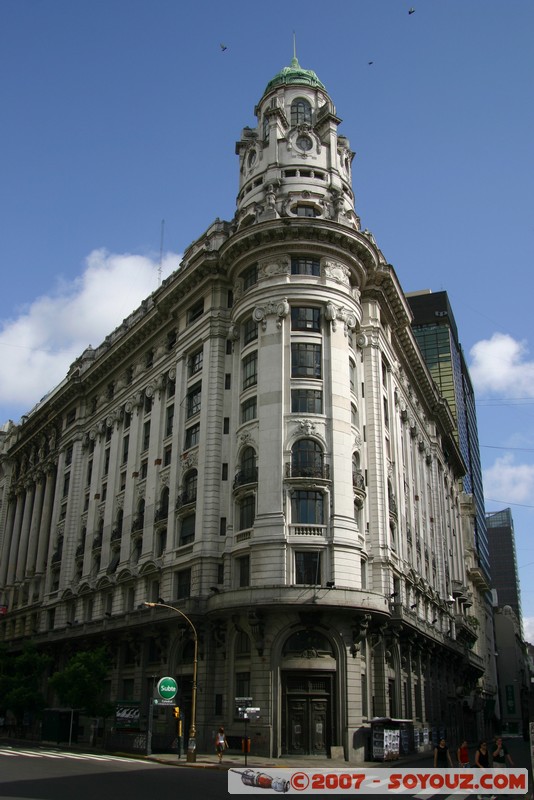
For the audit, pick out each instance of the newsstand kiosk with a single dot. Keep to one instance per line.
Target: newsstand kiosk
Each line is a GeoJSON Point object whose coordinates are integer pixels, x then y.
{"type": "Point", "coordinates": [390, 738]}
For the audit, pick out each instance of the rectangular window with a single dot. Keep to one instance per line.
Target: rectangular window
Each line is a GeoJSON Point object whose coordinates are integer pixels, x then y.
{"type": "Point", "coordinates": [68, 455]}
{"type": "Point", "coordinates": [89, 472]}
{"type": "Point", "coordinates": [104, 492]}
{"type": "Point", "coordinates": [195, 312]}
{"type": "Point", "coordinates": [249, 409]}
{"type": "Point", "coordinates": [187, 529]}
{"type": "Point", "coordinates": [305, 360]}
{"type": "Point", "coordinates": [247, 512]}
{"type": "Point", "coordinates": [250, 331]}
{"type": "Point", "coordinates": [66, 484]}
{"type": "Point", "coordinates": [306, 401]}
{"type": "Point", "coordinates": [182, 584]}
{"type": "Point", "coordinates": [167, 455]}
{"type": "Point", "coordinates": [307, 507]}
{"type": "Point", "coordinates": [249, 276]}
{"type": "Point", "coordinates": [220, 574]}
{"type": "Point", "coordinates": [228, 381]}
{"type": "Point", "coordinates": [146, 436]}
{"type": "Point", "coordinates": [171, 339]}
{"type": "Point", "coordinates": [107, 456]}
{"type": "Point", "coordinates": [192, 436]}
{"type": "Point", "coordinates": [122, 481]}
{"type": "Point", "coordinates": [171, 388]}
{"type": "Point", "coordinates": [169, 420]}
{"type": "Point", "coordinates": [195, 362]}
{"type": "Point", "coordinates": [242, 684]}
{"type": "Point", "coordinates": [224, 472]}
{"type": "Point", "coordinates": [143, 472]}
{"type": "Point", "coordinates": [226, 425]}
{"type": "Point", "coordinates": [250, 370]}
{"type": "Point", "coordinates": [193, 400]}
{"type": "Point", "coordinates": [229, 347]}
{"type": "Point", "coordinates": [308, 568]}
{"type": "Point", "coordinates": [71, 417]}
{"type": "Point", "coordinates": [125, 447]}
{"type": "Point", "coordinates": [305, 266]}
{"type": "Point", "coordinates": [305, 319]}
{"type": "Point", "coordinates": [148, 404]}
{"type": "Point", "coordinates": [222, 528]}
{"type": "Point", "coordinates": [127, 420]}
{"type": "Point", "coordinates": [243, 571]}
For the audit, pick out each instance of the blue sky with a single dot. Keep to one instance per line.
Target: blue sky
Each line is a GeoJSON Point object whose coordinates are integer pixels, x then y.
{"type": "Point", "coordinates": [118, 114]}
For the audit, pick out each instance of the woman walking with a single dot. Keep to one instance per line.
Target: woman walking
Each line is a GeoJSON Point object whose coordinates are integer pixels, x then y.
{"type": "Point", "coordinates": [221, 743]}
{"type": "Point", "coordinates": [442, 757]}
{"type": "Point", "coordinates": [463, 755]}
{"type": "Point", "coordinates": [482, 762]}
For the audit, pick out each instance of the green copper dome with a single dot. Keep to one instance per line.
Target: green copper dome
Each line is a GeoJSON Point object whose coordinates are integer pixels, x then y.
{"type": "Point", "coordinates": [294, 75]}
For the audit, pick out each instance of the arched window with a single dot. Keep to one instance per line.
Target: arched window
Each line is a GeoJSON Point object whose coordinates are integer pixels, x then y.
{"type": "Point", "coordinates": [307, 459]}
{"type": "Point", "coordinates": [163, 508]}
{"type": "Point", "coordinates": [248, 465]}
{"type": "Point", "coordinates": [190, 486]}
{"type": "Point", "coordinates": [301, 112]}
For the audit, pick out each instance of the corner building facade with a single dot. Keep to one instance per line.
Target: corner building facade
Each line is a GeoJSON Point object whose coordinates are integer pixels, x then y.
{"type": "Point", "coordinates": [261, 445]}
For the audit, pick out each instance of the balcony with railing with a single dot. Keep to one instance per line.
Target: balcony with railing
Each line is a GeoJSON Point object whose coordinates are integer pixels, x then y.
{"type": "Point", "coordinates": [307, 530]}
{"type": "Point", "coordinates": [186, 498]}
{"type": "Point", "coordinates": [245, 476]}
{"type": "Point", "coordinates": [318, 470]}
{"type": "Point", "coordinates": [138, 523]}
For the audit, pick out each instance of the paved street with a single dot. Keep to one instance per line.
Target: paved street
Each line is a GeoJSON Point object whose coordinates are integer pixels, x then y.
{"type": "Point", "coordinates": [63, 774]}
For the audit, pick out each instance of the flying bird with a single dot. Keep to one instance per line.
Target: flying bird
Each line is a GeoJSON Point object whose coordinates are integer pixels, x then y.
{"type": "Point", "coordinates": [224, 47]}
{"type": "Point", "coordinates": [411, 11]}
{"type": "Point", "coordinates": [370, 62]}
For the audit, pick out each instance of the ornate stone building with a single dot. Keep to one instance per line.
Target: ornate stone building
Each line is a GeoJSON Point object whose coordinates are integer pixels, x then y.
{"type": "Point", "coordinates": [261, 445]}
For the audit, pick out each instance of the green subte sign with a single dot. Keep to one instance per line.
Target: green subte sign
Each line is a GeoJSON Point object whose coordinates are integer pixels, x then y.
{"type": "Point", "coordinates": [167, 688]}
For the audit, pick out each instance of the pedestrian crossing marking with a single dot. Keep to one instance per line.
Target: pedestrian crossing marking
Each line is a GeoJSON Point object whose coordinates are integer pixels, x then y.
{"type": "Point", "coordinates": [74, 756]}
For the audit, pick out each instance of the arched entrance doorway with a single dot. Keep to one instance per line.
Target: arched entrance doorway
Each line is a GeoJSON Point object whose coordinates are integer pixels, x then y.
{"type": "Point", "coordinates": [308, 671]}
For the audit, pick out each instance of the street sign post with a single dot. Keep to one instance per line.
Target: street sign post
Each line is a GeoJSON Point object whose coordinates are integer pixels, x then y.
{"type": "Point", "coordinates": [167, 688]}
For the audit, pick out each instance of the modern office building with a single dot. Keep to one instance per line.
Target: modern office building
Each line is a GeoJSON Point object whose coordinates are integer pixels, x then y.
{"type": "Point", "coordinates": [262, 446]}
{"type": "Point", "coordinates": [437, 336]}
{"type": "Point", "coordinates": [503, 560]}
{"type": "Point", "coordinates": [436, 332]}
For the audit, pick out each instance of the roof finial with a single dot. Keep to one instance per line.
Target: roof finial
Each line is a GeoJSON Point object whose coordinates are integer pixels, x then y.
{"type": "Point", "coordinates": [294, 60]}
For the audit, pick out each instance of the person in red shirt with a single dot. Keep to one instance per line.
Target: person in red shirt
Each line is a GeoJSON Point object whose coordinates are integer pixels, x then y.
{"type": "Point", "coordinates": [462, 755]}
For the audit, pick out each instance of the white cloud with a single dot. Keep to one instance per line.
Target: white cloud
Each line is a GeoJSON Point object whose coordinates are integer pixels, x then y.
{"type": "Point", "coordinates": [528, 629]}
{"type": "Point", "coordinates": [500, 365]}
{"type": "Point", "coordinates": [506, 479]}
{"type": "Point", "coordinates": [38, 346]}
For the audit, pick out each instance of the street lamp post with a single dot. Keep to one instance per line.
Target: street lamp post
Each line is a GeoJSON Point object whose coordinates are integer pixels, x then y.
{"type": "Point", "coordinates": [192, 744]}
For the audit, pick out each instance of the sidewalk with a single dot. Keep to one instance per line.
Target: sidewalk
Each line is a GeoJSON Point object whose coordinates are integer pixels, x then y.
{"type": "Point", "coordinates": [235, 761]}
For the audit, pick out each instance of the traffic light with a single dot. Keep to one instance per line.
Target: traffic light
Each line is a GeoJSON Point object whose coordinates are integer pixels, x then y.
{"type": "Point", "coordinates": [176, 712]}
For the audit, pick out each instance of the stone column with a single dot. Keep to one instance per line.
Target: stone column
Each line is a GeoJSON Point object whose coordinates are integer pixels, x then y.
{"type": "Point", "coordinates": [46, 517]}
{"type": "Point", "coordinates": [8, 536]}
{"type": "Point", "coordinates": [14, 545]}
{"type": "Point", "coordinates": [35, 525]}
{"type": "Point", "coordinates": [25, 531]}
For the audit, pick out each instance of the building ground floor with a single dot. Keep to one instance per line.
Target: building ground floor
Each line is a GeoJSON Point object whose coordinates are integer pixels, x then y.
{"type": "Point", "coordinates": [320, 680]}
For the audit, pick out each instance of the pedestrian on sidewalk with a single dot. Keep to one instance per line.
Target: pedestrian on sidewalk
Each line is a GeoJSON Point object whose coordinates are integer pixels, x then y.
{"type": "Point", "coordinates": [221, 743]}
{"type": "Point", "coordinates": [462, 755]}
{"type": "Point", "coordinates": [442, 757]}
{"type": "Point", "coordinates": [482, 762]}
{"type": "Point", "coordinates": [501, 755]}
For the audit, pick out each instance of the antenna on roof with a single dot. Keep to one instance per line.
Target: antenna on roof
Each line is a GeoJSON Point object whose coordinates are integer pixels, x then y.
{"type": "Point", "coordinates": [160, 267]}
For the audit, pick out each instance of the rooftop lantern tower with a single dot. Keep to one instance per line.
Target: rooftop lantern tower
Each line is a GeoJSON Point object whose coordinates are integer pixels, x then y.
{"type": "Point", "coordinates": [294, 163]}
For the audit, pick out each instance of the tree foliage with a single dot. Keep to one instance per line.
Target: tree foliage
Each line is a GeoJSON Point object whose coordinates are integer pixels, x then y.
{"type": "Point", "coordinates": [80, 684]}
{"type": "Point", "coordinates": [21, 679]}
